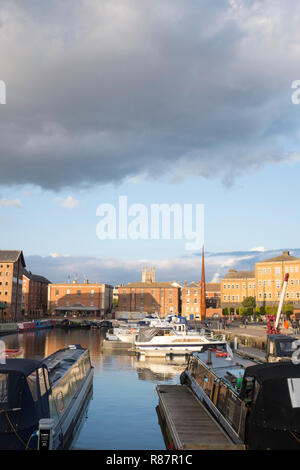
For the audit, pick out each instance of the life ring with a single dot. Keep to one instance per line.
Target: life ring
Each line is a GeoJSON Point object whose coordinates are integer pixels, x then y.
{"type": "Point", "coordinates": [132, 330]}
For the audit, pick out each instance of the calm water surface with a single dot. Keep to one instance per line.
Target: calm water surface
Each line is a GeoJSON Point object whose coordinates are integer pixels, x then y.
{"type": "Point", "coordinates": [121, 414]}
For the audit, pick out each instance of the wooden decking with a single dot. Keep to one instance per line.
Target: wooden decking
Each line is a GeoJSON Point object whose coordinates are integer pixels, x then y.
{"type": "Point", "coordinates": [186, 422]}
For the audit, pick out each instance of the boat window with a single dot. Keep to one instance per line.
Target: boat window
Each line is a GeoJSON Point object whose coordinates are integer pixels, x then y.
{"type": "Point", "coordinates": [43, 389]}
{"type": "Point", "coordinates": [32, 384]}
{"type": "Point", "coordinates": [285, 348]}
{"type": "Point", "coordinates": [3, 388]}
{"type": "Point", "coordinates": [249, 389]}
{"type": "Point", "coordinates": [46, 374]}
{"type": "Point", "coordinates": [294, 389]}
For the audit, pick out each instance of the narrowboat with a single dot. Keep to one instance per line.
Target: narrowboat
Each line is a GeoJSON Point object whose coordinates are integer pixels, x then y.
{"type": "Point", "coordinates": [257, 404]}
{"type": "Point", "coordinates": [42, 402]}
{"type": "Point", "coordinates": [43, 324]}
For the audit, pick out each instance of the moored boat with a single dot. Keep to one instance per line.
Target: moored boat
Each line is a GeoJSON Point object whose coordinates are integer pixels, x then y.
{"type": "Point", "coordinates": [256, 404]}
{"type": "Point", "coordinates": [44, 398]}
{"type": "Point", "coordinates": [171, 340]}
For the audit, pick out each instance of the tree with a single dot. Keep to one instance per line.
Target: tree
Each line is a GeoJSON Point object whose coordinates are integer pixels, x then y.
{"type": "Point", "coordinates": [246, 311]}
{"type": "Point", "coordinates": [249, 302]}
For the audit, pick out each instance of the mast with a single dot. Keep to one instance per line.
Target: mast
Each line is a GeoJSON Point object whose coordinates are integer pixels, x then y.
{"type": "Point", "coordinates": [203, 297]}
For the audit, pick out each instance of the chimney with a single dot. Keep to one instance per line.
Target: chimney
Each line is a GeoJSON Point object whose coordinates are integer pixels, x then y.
{"type": "Point", "coordinates": [286, 253]}
{"type": "Point", "coordinates": [86, 281]}
{"type": "Point", "coordinates": [184, 284]}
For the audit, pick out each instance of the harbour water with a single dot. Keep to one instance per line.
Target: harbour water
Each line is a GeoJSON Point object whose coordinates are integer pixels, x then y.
{"type": "Point", "coordinates": [121, 414]}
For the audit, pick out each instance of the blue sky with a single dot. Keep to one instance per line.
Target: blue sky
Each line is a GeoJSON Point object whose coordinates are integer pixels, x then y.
{"type": "Point", "coordinates": [258, 209]}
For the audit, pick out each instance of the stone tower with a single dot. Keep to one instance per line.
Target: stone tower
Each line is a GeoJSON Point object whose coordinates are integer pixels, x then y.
{"type": "Point", "coordinates": [148, 276]}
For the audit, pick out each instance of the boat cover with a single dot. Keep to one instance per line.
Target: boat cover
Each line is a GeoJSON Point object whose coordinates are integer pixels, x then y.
{"type": "Point", "coordinates": [146, 334]}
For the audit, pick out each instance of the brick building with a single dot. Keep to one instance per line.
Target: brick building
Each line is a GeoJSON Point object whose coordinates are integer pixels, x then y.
{"type": "Point", "coordinates": [191, 299]}
{"type": "Point", "coordinates": [34, 295]}
{"type": "Point", "coordinates": [80, 298]}
{"type": "Point", "coordinates": [236, 286]}
{"type": "Point", "coordinates": [264, 283]}
{"type": "Point", "coordinates": [269, 275]}
{"type": "Point", "coordinates": [12, 264]}
{"type": "Point", "coordinates": [149, 297]}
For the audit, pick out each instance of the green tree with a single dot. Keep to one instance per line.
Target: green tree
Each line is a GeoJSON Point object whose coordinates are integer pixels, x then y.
{"type": "Point", "coordinates": [246, 311]}
{"type": "Point", "coordinates": [249, 305]}
{"type": "Point", "coordinates": [249, 302]}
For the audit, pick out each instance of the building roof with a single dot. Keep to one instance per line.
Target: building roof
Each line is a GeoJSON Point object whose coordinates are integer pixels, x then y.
{"type": "Point", "coordinates": [35, 277]}
{"type": "Point", "coordinates": [209, 286]}
{"type": "Point", "coordinates": [148, 285]}
{"type": "Point", "coordinates": [212, 286]}
{"type": "Point", "coordinates": [239, 274]}
{"type": "Point", "coordinates": [11, 256]}
{"type": "Point", "coordinates": [285, 256]}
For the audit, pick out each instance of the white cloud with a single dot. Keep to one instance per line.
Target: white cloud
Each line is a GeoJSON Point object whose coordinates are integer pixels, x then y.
{"type": "Point", "coordinates": [68, 203]}
{"type": "Point", "coordinates": [10, 203]}
{"type": "Point", "coordinates": [258, 248]}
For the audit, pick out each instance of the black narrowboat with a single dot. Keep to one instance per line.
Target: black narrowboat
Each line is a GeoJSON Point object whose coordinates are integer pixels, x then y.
{"type": "Point", "coordinates": [257, 404]}
{"type": "Point", "coordinates": [41, 402]}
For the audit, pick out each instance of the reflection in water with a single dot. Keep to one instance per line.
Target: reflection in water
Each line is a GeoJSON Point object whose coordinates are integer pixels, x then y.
{"type": "Point", "coordinates": [158, 369]}
{"type": "Point", "coordinates": [121, 414]}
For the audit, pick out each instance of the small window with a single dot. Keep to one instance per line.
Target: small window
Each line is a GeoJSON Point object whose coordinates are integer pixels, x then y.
{"type": "Point", "coordinates": [43, 389]}
{"type": "Point", "coordinates": [294, 389]}
{"type": "Point", "coordinates": [3, 388]}
{"type": "Point", "coordinates": [32, 383]}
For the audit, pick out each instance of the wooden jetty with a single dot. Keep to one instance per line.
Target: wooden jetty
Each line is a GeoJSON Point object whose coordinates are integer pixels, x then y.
{"type": "Point", "coordinates": [186, 424]}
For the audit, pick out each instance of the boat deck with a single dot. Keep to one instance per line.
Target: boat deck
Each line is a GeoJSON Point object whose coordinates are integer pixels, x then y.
{"type": "Point", "coordinates": [60, 362]}
{"type": "Point", "coordinates": [186, 422]}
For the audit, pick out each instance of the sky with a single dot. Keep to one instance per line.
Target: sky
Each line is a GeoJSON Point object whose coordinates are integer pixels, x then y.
{"type": "Point", "coordinates": [165, 102]}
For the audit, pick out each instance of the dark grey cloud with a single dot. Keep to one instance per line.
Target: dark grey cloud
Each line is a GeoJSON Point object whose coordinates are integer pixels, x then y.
{"type": "Point", "coordinates": [115, 271]}
{"type": "Point", "coordinates": [98, 91]}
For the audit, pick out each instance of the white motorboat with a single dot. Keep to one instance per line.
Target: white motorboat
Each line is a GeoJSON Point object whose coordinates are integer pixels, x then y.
{"type": "Point", "coordinates": [171, 340]}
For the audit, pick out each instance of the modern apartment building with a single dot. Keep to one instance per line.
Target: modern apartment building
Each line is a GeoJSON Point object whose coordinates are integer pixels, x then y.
{"type": "Point", "coordinates": [12, 264]}
{"type": "Point", "coordinates": [80, 298]}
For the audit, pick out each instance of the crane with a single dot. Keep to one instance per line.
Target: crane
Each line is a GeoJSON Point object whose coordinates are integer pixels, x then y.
{"type": "Point", "coordinates": [273, 322]}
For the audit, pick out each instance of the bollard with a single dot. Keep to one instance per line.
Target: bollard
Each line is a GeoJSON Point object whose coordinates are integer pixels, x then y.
{"type": "Point", "coordinates": [235, 343]}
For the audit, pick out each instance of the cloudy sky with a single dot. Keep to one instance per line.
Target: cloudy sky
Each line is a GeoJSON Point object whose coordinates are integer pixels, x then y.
{"type": "Point", "coordinates": [162, 101]}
